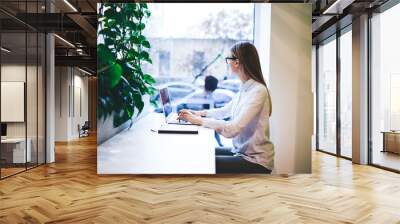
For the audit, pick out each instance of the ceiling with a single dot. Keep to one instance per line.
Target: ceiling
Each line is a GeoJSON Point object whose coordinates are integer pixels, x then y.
{"type": "Point", "coordinates": [75, 23]}
{"type": "Point", "coordinates": [332, 15]}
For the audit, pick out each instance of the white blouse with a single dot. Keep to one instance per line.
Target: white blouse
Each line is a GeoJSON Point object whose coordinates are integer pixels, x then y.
{"type": "Point", "coordinates": [248, 124]}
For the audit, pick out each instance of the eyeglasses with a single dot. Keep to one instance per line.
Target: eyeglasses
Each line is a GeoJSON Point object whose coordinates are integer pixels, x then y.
{"type": "Point", "coordinates": [230, 58]}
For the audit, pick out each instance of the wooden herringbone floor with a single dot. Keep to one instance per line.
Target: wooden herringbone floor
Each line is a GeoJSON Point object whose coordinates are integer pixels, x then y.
{"type": "Point", "coordinates": [70, 191]}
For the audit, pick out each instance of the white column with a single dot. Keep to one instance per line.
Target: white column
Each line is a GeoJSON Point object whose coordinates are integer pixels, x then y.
{"type": "Point", "coordinates": [290, 82]}
{"type": "Point", "coordinates": [262, 34]}
{"type": "Point", "coordinates": [50, 92]}
{"type": "Point", "coordinates": [50, 99]}
{"type": "Point", "coordinates": [360, 90]}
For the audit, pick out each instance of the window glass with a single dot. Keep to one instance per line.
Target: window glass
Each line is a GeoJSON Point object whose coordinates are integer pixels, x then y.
{"type": "Point", "coordinates": [385, 88]}
{"type": "Point", "coordinates": [196, 48]}
{"type": "Point", "coordinates": [346, 94]}
{"type": "Point", "coordinates": [327, 96]}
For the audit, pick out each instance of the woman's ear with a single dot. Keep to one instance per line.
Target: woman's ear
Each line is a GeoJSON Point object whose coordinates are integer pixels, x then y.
{"type": "Point", "coordinates": [236, 63]}
{"type": "Point", "coordinates": [238, 66]}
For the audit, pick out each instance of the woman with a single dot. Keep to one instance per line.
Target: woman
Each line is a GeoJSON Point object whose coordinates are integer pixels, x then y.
{"type": "Point", "coordinates": [249, 114]}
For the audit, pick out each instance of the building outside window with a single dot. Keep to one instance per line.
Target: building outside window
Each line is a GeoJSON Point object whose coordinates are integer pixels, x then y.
{"type": "Point", "coordinates": [203, 40]}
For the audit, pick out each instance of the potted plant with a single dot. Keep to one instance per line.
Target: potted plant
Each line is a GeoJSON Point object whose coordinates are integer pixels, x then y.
{"type": "Point", "coordinates": [121, 50]}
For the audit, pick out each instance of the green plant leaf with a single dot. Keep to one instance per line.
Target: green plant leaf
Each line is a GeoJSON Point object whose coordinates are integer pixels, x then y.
{"type": "Point", "coordinates": [132, 25]}
{"type": "Point", "coordinates": [146, 44]}
{"type": "Point", "coordinates": [138, 101]}
{"type": "Point", "coordinates": [141, 26]}
{"type": "Point", "coordinates": [121, 80]}
{"type": "Point", "coordinates": [108, 33]}
{"type": "Point", "coordinates": [109, 13]}
{"type": "Point", "coordinates": [115, 73]}
{"type": "Point", "coordinates": [145, 56]}
{"type": "Point", "coordinates": [143, 5]}
{"type": "Point", "coordinates": [149, 79]}
{"type": "Point", "coordinates": [141, 38]}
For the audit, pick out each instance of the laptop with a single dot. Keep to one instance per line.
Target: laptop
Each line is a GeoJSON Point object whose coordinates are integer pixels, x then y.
{"type": "Point", "coordinates": [172, 124]}
{"type": "Point", "coordinates": [170, 117]}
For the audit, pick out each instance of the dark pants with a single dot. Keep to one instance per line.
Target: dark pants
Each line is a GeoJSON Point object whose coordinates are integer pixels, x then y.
{"type": "Point", "coordinates": [226, 162]}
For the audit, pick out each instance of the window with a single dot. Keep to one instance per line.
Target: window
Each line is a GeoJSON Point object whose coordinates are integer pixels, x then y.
{"type": "Point", "coordinates": [385, 89]}
{"type": "Point", "coordinates": [327, 96]}
{"type": "Point", "coordinates": [334, 63]}
{"type": "Point", "coordinates": [185, 51]}
{"type": "Point", "coordinates": [188, 50]}
{"type": "Point", "coordinates": [22, 73]}
{"type": "Point", "coordinates": [346, 93]}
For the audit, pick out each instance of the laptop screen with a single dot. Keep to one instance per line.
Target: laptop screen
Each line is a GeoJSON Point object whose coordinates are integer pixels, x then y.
{"type": "Point", "coordinates": [166, 102]}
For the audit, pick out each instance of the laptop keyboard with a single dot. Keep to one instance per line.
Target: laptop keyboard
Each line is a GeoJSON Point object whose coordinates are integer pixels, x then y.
{"type": "Point", "coordinates": [174, 120]}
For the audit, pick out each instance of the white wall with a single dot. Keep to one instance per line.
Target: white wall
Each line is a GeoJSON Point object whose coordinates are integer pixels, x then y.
{"type": "Point", "coordinates": [17, 73]}
{"type": "Point", "coordinates": [81, 84]}
{"type": "Point", "coordinates": [33, 126]}
{"type": "Point", "coordinates": [70, 83]}
{"type": "Point", "coordinates": [13, 100]}
{"type": "Point", "coordinates": [12, 73]}
{"type": "Point", "coordinates": [290, 83]}
{"type": "Point", "coordinates": [61, 104]}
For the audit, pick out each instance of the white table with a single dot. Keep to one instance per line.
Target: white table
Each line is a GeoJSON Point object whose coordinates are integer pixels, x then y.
{"type": "Point", "coordinates": [18, 144]}
{"type": "Point", "coordinates": [142, 151]}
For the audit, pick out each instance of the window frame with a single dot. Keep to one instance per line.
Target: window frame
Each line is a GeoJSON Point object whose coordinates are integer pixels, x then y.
{"type": "Point", "coordinates": [27, 29]}
{"type": "Point", "coordinates": [334, 37]}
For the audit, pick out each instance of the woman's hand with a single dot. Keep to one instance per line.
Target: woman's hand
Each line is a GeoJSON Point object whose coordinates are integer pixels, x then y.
{"type": "Point", "coordinates": [201, 113]}
{"type": "Point", "coordinates": [188, 116]}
